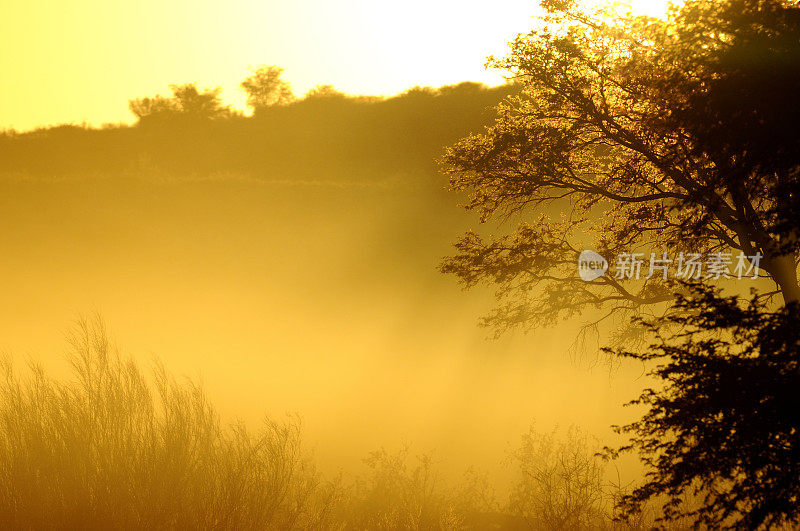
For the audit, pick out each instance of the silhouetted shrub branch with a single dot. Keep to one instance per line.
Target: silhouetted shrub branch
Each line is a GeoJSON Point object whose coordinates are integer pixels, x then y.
{"type": "Point", "coordinates": [722, 422]}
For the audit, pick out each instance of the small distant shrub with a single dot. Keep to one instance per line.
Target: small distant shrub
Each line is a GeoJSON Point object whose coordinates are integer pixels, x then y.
{"type": "Point", "coordinates": [399, 493]}
{"type": "Point", "coordinates": [561, 482]}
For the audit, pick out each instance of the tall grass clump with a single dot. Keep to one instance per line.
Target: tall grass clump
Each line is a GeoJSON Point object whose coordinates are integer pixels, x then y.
{"type": "Point", "coordinates": [113, 448]}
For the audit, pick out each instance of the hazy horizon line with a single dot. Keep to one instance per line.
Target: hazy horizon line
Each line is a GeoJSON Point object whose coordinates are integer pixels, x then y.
{"type": "Point", "coordinates": [99, 125]}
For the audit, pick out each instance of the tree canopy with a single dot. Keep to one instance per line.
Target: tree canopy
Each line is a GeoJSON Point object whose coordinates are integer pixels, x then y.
{"type": "Point", "coordinates": [187, 101]}
{"type": "Point", "coordinates": [636, 134]}
{"type": "Point", "coordinates": [264, 88]}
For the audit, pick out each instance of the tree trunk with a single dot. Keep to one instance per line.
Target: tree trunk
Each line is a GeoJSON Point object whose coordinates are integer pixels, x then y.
{"type": "Point", "coordinates": [784, 273]}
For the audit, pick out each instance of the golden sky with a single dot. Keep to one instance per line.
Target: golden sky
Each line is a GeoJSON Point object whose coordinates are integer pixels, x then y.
{"type": "Point", "coordinates": [82, 60]}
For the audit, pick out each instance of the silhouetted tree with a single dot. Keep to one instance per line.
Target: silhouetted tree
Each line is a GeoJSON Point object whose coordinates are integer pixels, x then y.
{"type": "Point", "coordinates": [673, 135]}
{"type": "Point", "coordinates": [676, 135]}
{"type": "Point", "coordinates": [187, 101]}
{"type": "Point", "coordinates": [144, 108]}
{"type": "Point", "coordinates": [325, 91]}
{"type": "Point", "coordinates": [723, 418]}
{"type": "Point", "coordinates": [264, 88]}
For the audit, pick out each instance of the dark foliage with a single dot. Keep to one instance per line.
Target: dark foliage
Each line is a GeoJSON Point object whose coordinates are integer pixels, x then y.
{"type": "Point", "coordinates": [723, 420]}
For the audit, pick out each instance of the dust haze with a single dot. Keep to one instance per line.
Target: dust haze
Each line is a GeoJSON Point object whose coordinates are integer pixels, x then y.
{"type": "Point", "coordinates": [300, 277]}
